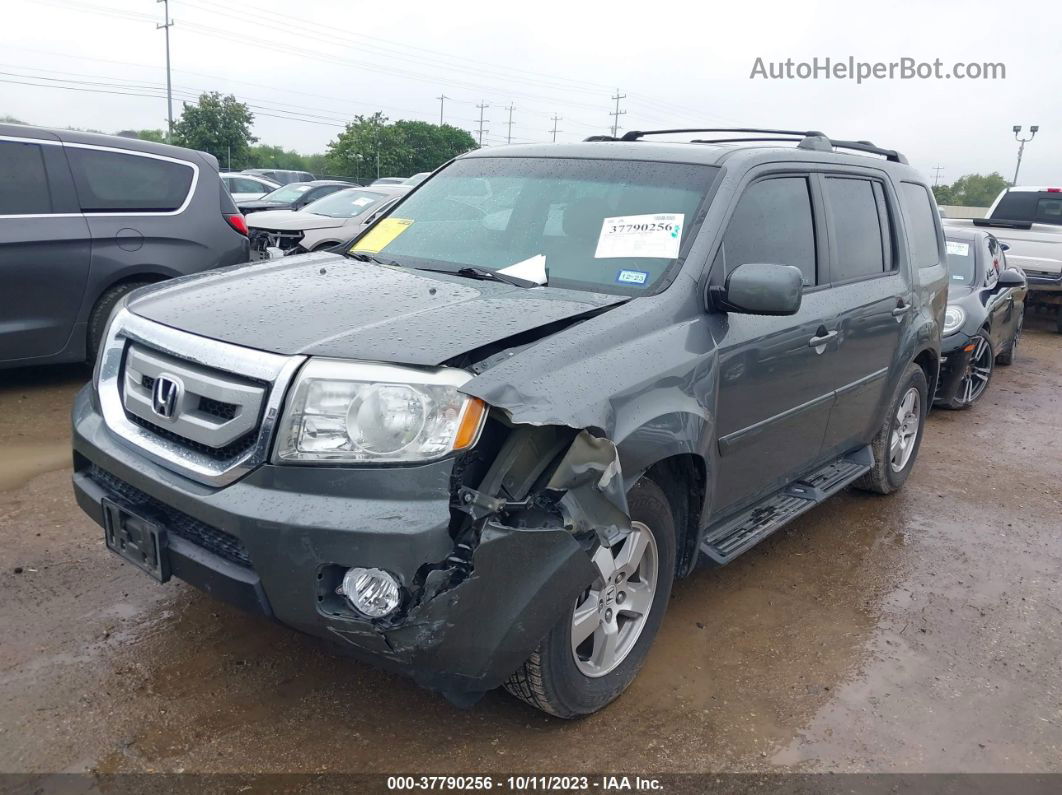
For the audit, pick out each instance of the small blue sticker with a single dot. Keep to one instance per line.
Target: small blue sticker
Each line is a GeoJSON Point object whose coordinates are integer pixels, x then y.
{"type": "Point", "coordinates": [632, 277]}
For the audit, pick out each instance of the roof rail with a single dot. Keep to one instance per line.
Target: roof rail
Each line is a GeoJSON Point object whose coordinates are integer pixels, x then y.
{"type": "Point", "coordinates": [807, 139]}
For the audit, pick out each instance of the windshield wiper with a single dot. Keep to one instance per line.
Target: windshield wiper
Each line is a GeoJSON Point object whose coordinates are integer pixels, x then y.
{"type": "Point", "coordinates": [361, 256]}
{"type": "Point", "coordinates": [472, 272]}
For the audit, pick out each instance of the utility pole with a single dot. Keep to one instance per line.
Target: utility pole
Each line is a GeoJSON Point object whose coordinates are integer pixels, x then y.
{"type": "Point", "coordinates": [442, 99]}
{"type": "Point", "coordinates": [482, 106]}
{"type": "Point", "coordinates": [555, 119]}
{"type": "Point", "coordinates": [509, 124]}
{"type": "Point", "coordinates": [169, 86]}
{"type": "Point", "coordinates": [936, 175]}
{"type": "Point", "coordinates": [1021, 149]}
{"type": "Point", "coordinates": [617, 112]}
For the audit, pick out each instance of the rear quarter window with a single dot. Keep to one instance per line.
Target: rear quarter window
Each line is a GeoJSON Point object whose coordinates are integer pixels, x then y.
{"type": "Point", "coordinates": [115, 182]}
{"type": "Point", "coordinates": [23, 181]}
{"type": "Point", "coordinates": [923, 225]}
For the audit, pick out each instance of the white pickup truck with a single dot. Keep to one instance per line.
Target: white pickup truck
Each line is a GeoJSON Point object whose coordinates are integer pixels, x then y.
{"type": "Point", "coordinates": [1029, 221]}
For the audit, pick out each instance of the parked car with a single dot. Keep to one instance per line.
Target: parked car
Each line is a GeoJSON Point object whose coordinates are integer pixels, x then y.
{"type": "Point", "coordinates": [293, 196]}
{"type": "Point", "coordinates": [982, 326]}
{"type": "Point", "coordinates": [281, 176]}
{"type": "Point", "coordinates": [416, 179]}
{"type": "Point", "coordinates": [247, 187]}
{"type": "Point", "coordinates": [388, 181]}
{"type": "Point", "coordinates": [322, 224]}
{"type": "Point", "coordinates": [86, 219]}
{"type": "Point", "coordinates": [481, 456]}
{"type": "Point", "coordinates": [1029, 221]}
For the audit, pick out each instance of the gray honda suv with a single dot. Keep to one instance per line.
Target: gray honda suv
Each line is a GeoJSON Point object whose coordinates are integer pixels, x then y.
{"type": "Point", "coordinates": [478, 443]}
{"type": "Point", "coordinates": [85, 219]}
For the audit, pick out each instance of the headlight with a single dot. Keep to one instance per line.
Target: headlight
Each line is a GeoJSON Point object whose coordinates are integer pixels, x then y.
{"type": "Point", "coordinates": [354, 412]}
{"type": "Point", "coordinates": [954, 317]}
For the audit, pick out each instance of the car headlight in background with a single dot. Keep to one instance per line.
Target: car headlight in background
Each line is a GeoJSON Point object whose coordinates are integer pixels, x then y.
{"type": "Point", "coordinates": [954, 317]}
{"type": "Point", "coordinates": [357, 412]}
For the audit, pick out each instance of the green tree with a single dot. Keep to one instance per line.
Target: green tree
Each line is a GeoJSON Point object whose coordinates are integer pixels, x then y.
{"type": "Point", "coordinates": [972, 190]}
{"type": "Point", "coordinates": [267, 156]}
{"type": "Point", "coordinates": [371, 146]}
{"type": "Point", "coordinates": [158, 136]}
{"type": "Point", "coordinates": [218, 125]}
{"type": "Point", "coordinates": [6, 119]}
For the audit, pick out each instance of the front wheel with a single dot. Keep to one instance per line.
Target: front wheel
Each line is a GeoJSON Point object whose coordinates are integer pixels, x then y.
{"type": "Point", "coordinates": [596, 649]}
{"type": "Point", "coordinates": [978, 374]}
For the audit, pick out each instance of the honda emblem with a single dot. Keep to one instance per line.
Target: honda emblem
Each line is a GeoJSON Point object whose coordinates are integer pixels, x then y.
{"type": "Point", "coordinates": [166, 396]}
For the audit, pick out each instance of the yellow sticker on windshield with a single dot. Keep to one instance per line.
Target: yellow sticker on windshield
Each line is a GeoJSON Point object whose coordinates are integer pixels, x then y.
{"type": "Point", "coordinates": [381, 235]}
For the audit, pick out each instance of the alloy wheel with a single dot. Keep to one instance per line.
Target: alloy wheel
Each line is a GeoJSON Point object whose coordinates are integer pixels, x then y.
{"type": "Point", "coordinates": [905, 430]}
{"type": "Point", "coordinates": [978, 371]}
{"type": "Point", "coordinates": [610, 615]}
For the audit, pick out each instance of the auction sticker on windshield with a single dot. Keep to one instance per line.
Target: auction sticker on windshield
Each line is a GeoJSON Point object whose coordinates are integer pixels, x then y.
{"type": "Point", "coordinates": [656, 236]}
{"type": "Point", "coordinates": [377, 238]}
{"type": "Point", "coordinates": [958, 249]}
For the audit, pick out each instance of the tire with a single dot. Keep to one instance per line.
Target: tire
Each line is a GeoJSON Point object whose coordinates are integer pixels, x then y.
{"type": "Point", "coordinates": [551, 679]}
{"type": "Point", "coordinates": [884, 477]}
{"type": "Point", "coordinates": [1006, 356]}
{"type": "Point", "coordinates": [985, 358]}
{"type": "Point", "coordinates": [101, 313]}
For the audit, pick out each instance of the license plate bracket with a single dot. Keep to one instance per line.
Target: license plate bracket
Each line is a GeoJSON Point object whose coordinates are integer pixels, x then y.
{"type": "Point", "coordinates": [136, 539]}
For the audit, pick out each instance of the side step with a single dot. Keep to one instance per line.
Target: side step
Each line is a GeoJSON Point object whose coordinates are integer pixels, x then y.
{"type": "Point", "coordinates": [729, 538]}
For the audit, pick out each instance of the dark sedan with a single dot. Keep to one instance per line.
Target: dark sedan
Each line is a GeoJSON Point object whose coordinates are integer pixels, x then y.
{"type": "Point", "coordinates": [982, 326]}
{"type": "Point", "coordinates": [295, 196]}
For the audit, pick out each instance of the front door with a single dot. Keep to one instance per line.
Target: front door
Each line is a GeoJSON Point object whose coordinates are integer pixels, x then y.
{"type": "Point", "coordinates": [775, 393]}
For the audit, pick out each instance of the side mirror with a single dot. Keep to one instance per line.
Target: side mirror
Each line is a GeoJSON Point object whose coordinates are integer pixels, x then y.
{"type": "Point", "coordinates": [759, 289]}
{"type": "Point", "coordinates": [1010, 278]}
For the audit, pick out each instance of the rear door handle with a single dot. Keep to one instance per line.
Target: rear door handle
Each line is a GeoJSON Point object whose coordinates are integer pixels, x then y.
{"type": "Point", "coordinates": [821, 339]}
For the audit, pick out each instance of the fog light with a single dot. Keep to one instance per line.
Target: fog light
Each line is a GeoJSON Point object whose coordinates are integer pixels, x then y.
{"type": "Point", "coordinates": [373, 592]}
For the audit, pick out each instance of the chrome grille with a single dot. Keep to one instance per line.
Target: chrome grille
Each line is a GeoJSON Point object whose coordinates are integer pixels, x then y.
{"type": "Point", "coordinates": [201, 391]}
{"type": "Point", "coordinates": [221, 400]}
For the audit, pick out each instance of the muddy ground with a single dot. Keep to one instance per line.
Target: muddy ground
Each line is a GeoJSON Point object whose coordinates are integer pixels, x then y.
{"type": "Point", "coordinates": [919, 632]}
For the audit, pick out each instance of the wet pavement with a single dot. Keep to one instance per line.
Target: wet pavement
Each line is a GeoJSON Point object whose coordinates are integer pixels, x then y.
{"type": "Point", "coordinates": [918, 632]}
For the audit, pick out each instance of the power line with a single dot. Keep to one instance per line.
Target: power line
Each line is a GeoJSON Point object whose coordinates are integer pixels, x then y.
{"type": "Point", "coordinates": [617, 112]}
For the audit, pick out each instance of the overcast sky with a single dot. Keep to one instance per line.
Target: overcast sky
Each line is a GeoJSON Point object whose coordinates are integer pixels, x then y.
{"type": "Point", "coordinates": [306, 66]}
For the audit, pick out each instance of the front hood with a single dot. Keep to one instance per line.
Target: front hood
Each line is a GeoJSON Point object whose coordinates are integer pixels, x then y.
{"type": "Point", "coordinates": [325, 304]}
{"type": "Point", "coordinates": [293, 220]}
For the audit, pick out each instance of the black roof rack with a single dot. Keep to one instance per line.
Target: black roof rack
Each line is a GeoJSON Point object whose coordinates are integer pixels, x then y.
{"type": "Point", "coordinates": [807, 139]}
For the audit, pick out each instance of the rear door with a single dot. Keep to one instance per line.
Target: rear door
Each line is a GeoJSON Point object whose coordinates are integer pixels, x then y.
{"type": "Point", "coordinates": [44, 250]}
{"type": "Point", "coordinates": [870, 292]}
{"type": "Point", "coordinates": [775, 390]}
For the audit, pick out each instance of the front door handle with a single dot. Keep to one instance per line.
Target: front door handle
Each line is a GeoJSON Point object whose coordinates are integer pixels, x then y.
{"type": "Point", "coordinates": [901, 310]}
{"type": "Point", "coordinates": [821, 339]}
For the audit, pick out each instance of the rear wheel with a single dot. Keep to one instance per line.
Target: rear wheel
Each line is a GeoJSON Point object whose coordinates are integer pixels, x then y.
{"type": "Point", "coordinates": [1006, 356]}
{"type": "Point", "coordinates": [101, 313]}
{"type": "Point", "coordinates": [596, 649]}
{"type": "Point", "coordinates": [896, 443]}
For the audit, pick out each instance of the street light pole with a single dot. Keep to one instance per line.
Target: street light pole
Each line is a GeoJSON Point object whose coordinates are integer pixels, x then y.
{"type": "Point", "coordinates": [1021, 148]}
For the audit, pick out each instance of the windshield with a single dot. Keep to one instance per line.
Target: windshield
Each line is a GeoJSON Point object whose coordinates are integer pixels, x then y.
{"type": "Point", "coordinates": [962, 266]}
{"type": "Point", "coordinates": [345, 203]}
{"type": "Point", "coordinates": [614, 226]}
{"type": "Point", "coordinates": [288, 193]}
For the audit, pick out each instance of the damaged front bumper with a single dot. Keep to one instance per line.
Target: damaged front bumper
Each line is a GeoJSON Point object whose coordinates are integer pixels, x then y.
{"type": "Point", "coordinates": [956, 350]}
{"type": "Point", "coordinates": [485, 573]}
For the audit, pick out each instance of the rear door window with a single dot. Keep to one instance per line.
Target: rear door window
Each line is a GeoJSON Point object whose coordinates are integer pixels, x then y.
{"type": "Point", "coordinates": [922, 224]}
{"type": "Point", "coordinates": [773, 224]}
{"type": "Point", "coordinates": [1049, 209]}
{"type": "Point", "coordinates": [24, 182]}
{"type": "Point", "coordinates": [114, 182]}
{"type": "Point", "coordinates": [856, 229]}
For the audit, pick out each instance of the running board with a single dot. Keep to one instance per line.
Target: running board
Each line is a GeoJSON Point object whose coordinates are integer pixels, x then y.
{"type": "Point", "coordinates": [728, 539]}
